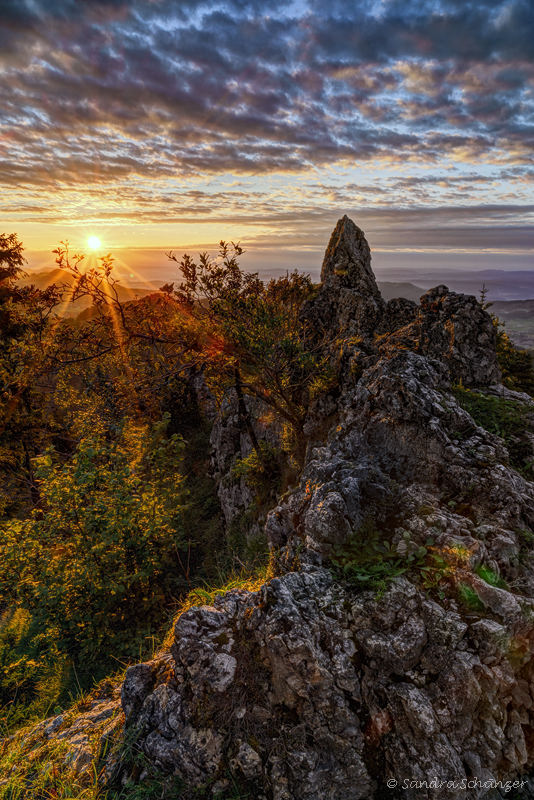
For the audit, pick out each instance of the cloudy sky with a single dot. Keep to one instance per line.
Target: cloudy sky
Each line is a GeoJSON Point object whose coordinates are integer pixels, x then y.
{"type": "Point", "coordinates": [156, 124]}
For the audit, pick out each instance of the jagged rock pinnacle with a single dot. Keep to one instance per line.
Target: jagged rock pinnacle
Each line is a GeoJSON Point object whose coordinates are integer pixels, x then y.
{"type": "Point", "coordinates": [349, 300]}
{"type": "Point", "coordinates": [348, 257]}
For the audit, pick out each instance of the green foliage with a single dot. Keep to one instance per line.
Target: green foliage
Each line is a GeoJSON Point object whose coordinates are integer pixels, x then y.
{"type": "Point", "coordinates": [33, 672]}
{"type": "Point", "coordinates": [42, 775]}
{"type": "Point", "coordinates": [505, 418]}
{"type": "Point", "coordinates": [95, 564]}
{"type": "Point", "coordinates": [435, 571]}
{"type": "Point", "coordinates": [262, 470]}
{"type": "Point", "coordinates": [24, 365]}
{"type": "Point", "coordinates": [252, 334]}
{"type": "Point", "coordinates": [489, 576]}
{"type": "Point", "coordinates": [516, 365]}
{"type": "Point", "coordinates": [469, 598]}
{"type": "Point", "coordinates": [367, 560]}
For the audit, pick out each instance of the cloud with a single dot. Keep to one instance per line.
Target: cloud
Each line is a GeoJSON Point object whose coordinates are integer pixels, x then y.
{"type": "Point", "coordinates": [112, 109]}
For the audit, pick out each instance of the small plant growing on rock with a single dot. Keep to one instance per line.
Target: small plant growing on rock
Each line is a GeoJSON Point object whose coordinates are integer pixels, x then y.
{"type": "Point", "coordinates": [469, 598]}
{"type": "Point", "coordinates": [368, 560]}
{"type": "Point", "coordinates": [490, 576]}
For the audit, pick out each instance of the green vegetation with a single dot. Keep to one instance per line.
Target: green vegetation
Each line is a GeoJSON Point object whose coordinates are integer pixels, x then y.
{"type": "Point", "coordinates": [108, 516]}
{"type": "Point", "coordinates": [97, 561]}
{"type": "Point", "coordinates": [516, 365]}
{"type": "Point", "coordinates": [255, 339]}
{"type": "Point", "coordinates": [368, 560]}
{"type": "Point", "coordinates": [505, 418]}
{"type": "Point", "coordinates": [489, 576]}
{"type": "Point", "coordinates": [262, 469]}
{"type": "Point", "coordinates": [469, 598]}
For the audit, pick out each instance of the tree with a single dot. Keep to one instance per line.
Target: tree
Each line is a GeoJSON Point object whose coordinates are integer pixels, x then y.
{"type": "Point", "coordinates": [100, 558]}
{"type": "Point", "coordinates": [252, 336]}
{"type": "Point", "coordinates": [516, 364]}
{"type": "Point", "coordinates": [226, 322]}
{"type": "Point", "coordinates": [25, 314]}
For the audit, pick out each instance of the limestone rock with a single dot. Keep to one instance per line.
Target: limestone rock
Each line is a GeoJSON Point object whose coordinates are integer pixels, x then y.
{"type": "Point", "coordinates": [230, 441]}
{"type": "Point", "coordinates": [450, 327]}
{"type": "Point", "coordinates": [349, 301]}
{"type": "Point", "coordinates": [455, 328]}
{"type": "Point", "coordinates": [340, 693]}
{"type": "Point", "coordinates": [399, 312]}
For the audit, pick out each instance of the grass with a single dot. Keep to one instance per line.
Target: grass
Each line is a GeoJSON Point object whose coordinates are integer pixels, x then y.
{"type": "Point", "coordinates": [505, 418]}
{"type": "Point", "coordinates": [205, 595]}
{"type": "Point", "coordinates": [34, 768]}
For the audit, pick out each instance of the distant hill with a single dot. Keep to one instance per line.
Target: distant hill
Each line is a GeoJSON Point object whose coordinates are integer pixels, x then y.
{"type": "Point", "coordinates": [151, 303]}
{"type": "Point", "coordinates": [389, 290]}
{"type": "Point", "coordinates": [73, 309]}
{"type": "Point", "coordinates": [501, 284]}
{"type": "Point", "coordinates": [518, 315]}
{"type": "Point", "coordinates": [518, 318]}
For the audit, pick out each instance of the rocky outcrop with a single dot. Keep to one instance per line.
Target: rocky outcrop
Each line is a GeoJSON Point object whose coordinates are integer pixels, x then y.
{"type": "Point", "coordinates": [230, 442]}
{"type": "Point", "coordinates": [456, 329]}
{"type": "Point", "coordinates": [318, 687]}
{"type": "Point", "coordinates": [450, 327]}
{"type": "Point", "coordinates": [349, 301]}
{"type": "Point", "coordinates": [66, 753]}
{"type": "Point", "coordinates": [399, 312]}
{"type": "Point", "coordinates": [309, 691]}
{"type": "Point", "coordinates": [401, 427]}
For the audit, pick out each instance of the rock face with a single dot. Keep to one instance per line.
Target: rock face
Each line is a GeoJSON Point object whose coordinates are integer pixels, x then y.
{"type": "Point", "coordinates": [67, 750]}
{"type": "Point", "coordinates": [455, 328]}
{"type": "Point", "coordinates": [349, 301]}
{"type": "Point", "coordinates": [450, 327]}
{"type": "Point", "coordinates": [309, 691]}
{"type": "Point", "coordinates": [318, 688]}
{"type": "Point", "coordinates": [229, 442]}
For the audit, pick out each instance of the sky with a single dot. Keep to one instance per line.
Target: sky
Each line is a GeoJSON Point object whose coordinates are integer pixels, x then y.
{"type": "Point", "coordinates": [157, 125]}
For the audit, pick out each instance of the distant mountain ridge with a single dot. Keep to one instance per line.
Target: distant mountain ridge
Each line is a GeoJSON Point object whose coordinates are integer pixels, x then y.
{"type": "Point", "coordinates": [518, 315]}
{"type": "Point", "coordinates": [500, 284]}
{"type": "Point", "coordinates": [45, 278]}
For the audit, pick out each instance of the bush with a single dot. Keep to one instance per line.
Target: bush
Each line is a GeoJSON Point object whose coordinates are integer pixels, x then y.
{"type": "Point", "coordinates": [262, 470]}
{"type": "Point", "coordinates": [95, 563]}
{"type": "Point", "coordinates": [516, 365]}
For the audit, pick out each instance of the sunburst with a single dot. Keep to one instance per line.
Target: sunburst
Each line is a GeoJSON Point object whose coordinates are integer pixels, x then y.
{"type": "Point", "coordinates": [94, 242]}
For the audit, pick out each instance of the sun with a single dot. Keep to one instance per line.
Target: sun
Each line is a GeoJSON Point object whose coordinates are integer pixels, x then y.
{"type": "Point", "coordinates": [93, 242]}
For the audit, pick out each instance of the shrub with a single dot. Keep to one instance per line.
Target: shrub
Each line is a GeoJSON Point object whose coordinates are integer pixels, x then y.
{"type": "Point", "coordinates": [262, 470]}
{"type": "Point", "coordinates": [95, 563]}
{"type": "Point", "coordinates": [516, 365]}
{"type": "Point", "coordinates": [469, 598]}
